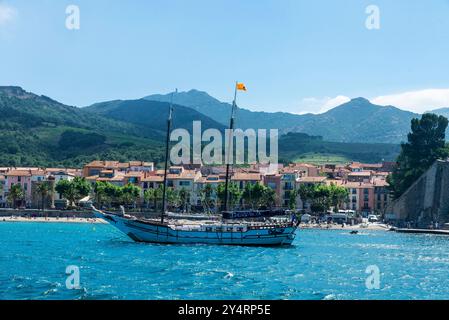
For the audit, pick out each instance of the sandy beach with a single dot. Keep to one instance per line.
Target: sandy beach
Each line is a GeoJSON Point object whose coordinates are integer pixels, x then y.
{"type": "Point", "coordinates": [52, 220]}
{"type": "Point", "coordinates": [358, 227]}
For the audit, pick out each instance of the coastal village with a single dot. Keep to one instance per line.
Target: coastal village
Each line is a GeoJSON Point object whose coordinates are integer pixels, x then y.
{"type": "Point", "coordinates": [366, 184]}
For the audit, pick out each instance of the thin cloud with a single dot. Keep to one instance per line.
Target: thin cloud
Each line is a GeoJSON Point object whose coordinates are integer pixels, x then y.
{"type": "Point", "coordinates": [320, 105]}
{"type": "Point", "coordinates": [7, 14]}
{"type": "Point", "coordinates": [417, 101]}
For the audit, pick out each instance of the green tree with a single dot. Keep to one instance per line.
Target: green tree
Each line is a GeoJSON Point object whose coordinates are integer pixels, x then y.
{"type": "Point", "coordinates": [338, 196]}
{"type": "Point", "coordinates": [269, 198]}
{"type": "Point", "coordinates": [293, 196]}
{"type": "Point", "coordinates": [426, 144]}
{"type": "Point", "coordinates": [129, 194]}
{"type": "Point", "coordinates": [253, 194]}
{"type": "Point", "coordinates": [15, 194]}
{"type": "Point", "coordinates": [101, 196]}
{"type": "Point", "coordinates": [44, 189]}
{"type": "Point", "coordinates": [206, 197]}
{"type": "Point", "coordinates": [235, 194]}
{"type": "Point", "coordinates": [148, 196]}
{"type": "Point", "coordinates": [173, 198]}
{"type": "Point", "coordinates": [184, 198]}
{"type": "Point", "coordinates": [73, 190]}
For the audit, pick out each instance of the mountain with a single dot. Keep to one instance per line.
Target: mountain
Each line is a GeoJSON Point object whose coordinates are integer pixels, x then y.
{"type": "Point", "coordinates": [300, 147]}
{"type": "Point", "coordinates": [39, 131]}
{"type": "Point", "coordinates": [360, 121]}
{"type": "Point", "coordinates": [442, 112]}
{"type": "Point", "coordinates": [356, 121]}
{"type": "Point", "coordinates": [152, 113]}
{"type": "Point", "coordinates": [221, 112]}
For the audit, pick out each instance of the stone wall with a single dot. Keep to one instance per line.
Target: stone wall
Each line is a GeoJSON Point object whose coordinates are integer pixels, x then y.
{"type": "Point", "coordinates": [427, 200]}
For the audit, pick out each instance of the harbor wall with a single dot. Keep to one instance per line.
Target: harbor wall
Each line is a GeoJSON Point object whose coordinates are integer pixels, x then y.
{"type": "Point", "coordinates": [426, 201]}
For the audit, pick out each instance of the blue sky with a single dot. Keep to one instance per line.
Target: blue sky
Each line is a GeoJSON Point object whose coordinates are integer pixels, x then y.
{"type": "Point", "coordinates": [294, 56]}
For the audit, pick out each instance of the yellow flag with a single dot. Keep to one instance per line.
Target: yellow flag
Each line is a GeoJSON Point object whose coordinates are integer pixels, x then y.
{"type": "Point", "coordinates": [241, 86]}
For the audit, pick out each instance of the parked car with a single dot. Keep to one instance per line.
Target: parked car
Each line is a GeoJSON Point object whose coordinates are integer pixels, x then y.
{"type": "Point", "coordinates": [372, 218]}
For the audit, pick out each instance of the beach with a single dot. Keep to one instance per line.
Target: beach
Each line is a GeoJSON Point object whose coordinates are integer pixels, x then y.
{"type": "Point", "coordinates": [52, 220]}
{"type": "Point", "coordinates": [357, 227]}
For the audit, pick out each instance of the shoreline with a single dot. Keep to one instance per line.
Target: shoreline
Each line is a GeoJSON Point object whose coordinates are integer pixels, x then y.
{"type": "Point", "coordinates": [358, 227]}
{"type": "Point", "coordinates": [51, 220]}
{"type": "Point", "coordinates": [368, 227]}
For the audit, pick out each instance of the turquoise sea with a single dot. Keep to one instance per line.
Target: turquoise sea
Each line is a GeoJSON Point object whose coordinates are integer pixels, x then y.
{"type": "Point", "coordinates": [320, 265]}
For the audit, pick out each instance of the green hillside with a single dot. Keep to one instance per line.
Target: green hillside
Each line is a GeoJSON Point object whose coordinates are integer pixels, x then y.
{"type": "Point", "coordinates": [300, 147]}
{"type": "Point", "coordinates": [152, 113]}
{"type": "Point", "coordinates": [38, 131]}
{"type": "Point", "coordinates": [356, 121]}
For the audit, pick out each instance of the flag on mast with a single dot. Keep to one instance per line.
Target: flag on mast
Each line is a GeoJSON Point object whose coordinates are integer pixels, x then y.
{"type": "Point", "coordinates": [241, 87]}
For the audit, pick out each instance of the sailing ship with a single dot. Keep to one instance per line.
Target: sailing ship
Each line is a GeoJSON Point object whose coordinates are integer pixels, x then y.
{"type": "Point", "coordinates": [179, 230]}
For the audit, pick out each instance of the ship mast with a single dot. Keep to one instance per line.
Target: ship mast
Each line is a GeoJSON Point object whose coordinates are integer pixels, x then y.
{"type": "Point", "coordinates": [167, 146]}
{"type": "Point", "coordinates": [230, 148]}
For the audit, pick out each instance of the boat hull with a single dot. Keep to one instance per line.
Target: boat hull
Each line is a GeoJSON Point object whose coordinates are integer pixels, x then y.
{"type": "Point", "coordinates": [141, 231]}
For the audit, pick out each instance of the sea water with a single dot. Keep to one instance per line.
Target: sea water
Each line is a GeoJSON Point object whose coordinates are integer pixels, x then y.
{"type": "Point", "coordinates": [322, 264]}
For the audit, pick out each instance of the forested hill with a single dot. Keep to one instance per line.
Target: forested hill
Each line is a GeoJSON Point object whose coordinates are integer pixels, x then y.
{"type": "Point", "coordinates": [38, 131]}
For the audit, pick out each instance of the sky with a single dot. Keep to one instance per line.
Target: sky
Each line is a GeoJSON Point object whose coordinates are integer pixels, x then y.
{"type": "Point", "coordinates": [293, 55]}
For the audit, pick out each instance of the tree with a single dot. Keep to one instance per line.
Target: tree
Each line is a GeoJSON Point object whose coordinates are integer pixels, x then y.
{"type": "Point", "coordinates": [129, 194]}
{"type": "Point", "coordinates": [113, 193]}
{"type": "Point", "coordinates": [173, 199]}
{"type": "Point", "coordinates": [15, 194]}
{"type": "Point", "coordinates": [73, 190]}
{"type": "Point", "coordinates": [100, 193]}
{"type": "Point", "coordinates": [338, 196]}
{"type": "Point", "coordinates": [268, 198]}
{"type": "Point", "coordinates": [293, 196]}
{"type": "Point", "coordinates": [426, 144]}
{"type": "Point", "coordinates": [184, 198]}
{"type": "Point", "coordinates": [148, 196]}
{"type": "Point", "coordinates": [44, 189]}
{"type": "Point", "coordinates": [252, 194]}
{"type": "Point", "coordinates": [206, 197]}
{"type": "Point", "coordinates": [235, 194]}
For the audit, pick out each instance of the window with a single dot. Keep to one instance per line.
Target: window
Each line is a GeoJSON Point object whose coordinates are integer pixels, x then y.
{"type": "Point", "coordinates": [184, 183]}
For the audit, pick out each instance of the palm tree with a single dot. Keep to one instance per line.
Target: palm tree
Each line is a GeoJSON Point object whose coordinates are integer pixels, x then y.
{"type": "Point", "coordinates": [15, 194]}
{"type": "Point", "coordinates": [44, 189]}
{"type": "Point", "coordinates": [206, 197]}
{"type": "Point", "coordinates": [184, 197]}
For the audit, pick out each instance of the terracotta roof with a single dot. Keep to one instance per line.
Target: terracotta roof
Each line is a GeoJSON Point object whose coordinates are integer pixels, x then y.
{"type": "Point", "coordinates": [153, 179]}
{"type": "Point", "coordinates": [312, 179]}
{"type": "Point", "coordinates": [19, 173]}
{"type": "Point", "coordinates": [185, 175]}
{"type": "Point", "coordinates": [134, 174]}
{"type": "Point", "coordinates": [360, 174]}
{"type": "Point", "coordinates": [238, 176]}
{"type": "Point", "coordinates": [98, 163]}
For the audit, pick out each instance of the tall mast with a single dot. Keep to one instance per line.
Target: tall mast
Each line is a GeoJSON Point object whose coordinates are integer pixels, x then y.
{"type": "Point", "coordinates": [230, 149]}
{"type": "Point", "coordinates": [167, 146]}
